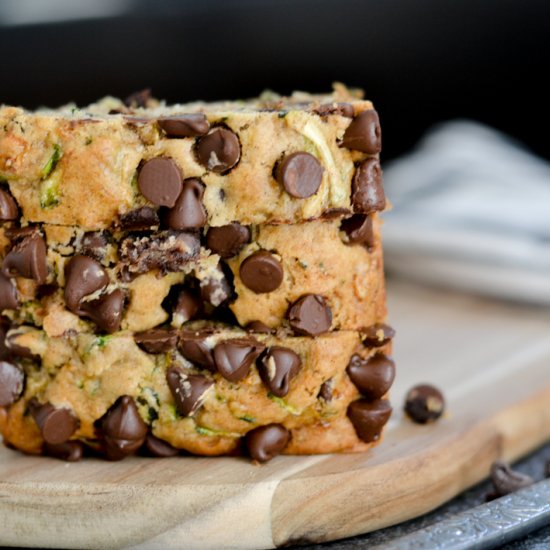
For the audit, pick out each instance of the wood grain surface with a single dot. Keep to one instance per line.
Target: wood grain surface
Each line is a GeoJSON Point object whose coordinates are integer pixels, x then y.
{"type": "Point", "coordinates": [491, 360]}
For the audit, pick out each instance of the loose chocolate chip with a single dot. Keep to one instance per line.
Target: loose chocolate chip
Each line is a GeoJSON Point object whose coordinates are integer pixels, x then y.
{"type": "Point", "coordinates": [424, 403]}
{"type": "Point", "coordinates": [310, 315]}
{"type": "Point", "coordinates": [373, 377]}
{"type": "Point", "coordinates": [234, 357]}
{"type": "Point", "coordinates": [193, 346]}
{"type": "Point", "coordinates": [367, 194]}
{"type": "Point", "coordinates": [188, 306]}
{"type": "Point", "coordinates": [94, 244]}
{"type": "Point", "coordinates": [56, 424]}
{"type": "Point", "coordinates": [70, 451]}
{"type": "Point", "coordinates": [159, 448]}
{"type": "Point", "coordinates": [106, 311]}
{"type": "Point", "coordinates": [220, 150]}
{"type": "Point", "coordinates": [359, 230]}
{"type": "Point", "coordinates": [265, 442]}
{"type": "Point", "coordinates": [300, 174]}
{"type": "Point", "coordinates": [180, 126]}
{"type": "Point", "coordinates": [506, 481]}
{"type": "Point", "coordinates": [138, 99]}
{"type": "Point", "coordinates": [27, 259]}
{"type": "Point", "coordinates": [377, 335]}
{"type": "Point", "coordinates": [12, 381]}
{"type": "Point", "coordinates": [216, 290]}
{"type": "Point", "coordinates": [8, 207]}
{"type": "Point", "coordinates": [369, 417]}
{"type": "Point", "coordinates": [160, 181]}
{"type": "Point", "coordinates": [188, 390]}
{"type": "Point", "coordinates": [277, 367]}
{"type": "Point", "coordinates": [261, 272]}
{"type": "Point", "coordinates": [228, 240]}
{"type": "Point", "coordinates": [139, 219]}
{"type": "Point", "coordinates": [157, 340]}
{"type": "Point", "coordinates": [188, 211]}
{"type": "Point", "coordinates": [258, 326]}
{"type": "Point", "coordinates": [83, 276]}
{"type": "Point", "coordinates": [341, 109]}
{"type": "Point", "coordinates": [363, 134]}
{"type": "Point", "coordinates": [122, 429]}
{"type": "Point", "coordinates": [8, 293]}
{"type": "Point", "coordinates": [326, 390]}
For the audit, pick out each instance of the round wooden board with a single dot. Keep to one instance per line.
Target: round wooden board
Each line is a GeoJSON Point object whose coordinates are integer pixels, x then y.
{"type": "Point", "coordinates": [491, 360]}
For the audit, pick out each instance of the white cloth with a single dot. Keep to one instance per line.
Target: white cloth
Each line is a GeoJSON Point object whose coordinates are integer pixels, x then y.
{"type": "Point", "coordinates": [471, 210]}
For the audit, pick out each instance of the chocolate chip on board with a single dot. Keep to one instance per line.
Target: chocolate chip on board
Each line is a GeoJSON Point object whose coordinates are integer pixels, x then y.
{"type": "Point", "coordinates": [261, 272]}
{"type": "Point", "coordinates": [27, 259]}
{"type": "Point", "coordinates": [56, 425]}
{"type": "Point", "coordinates": [377, 335]}
{"type": "Point", "coordinates": [157, 340]}
{"type": "Point", "coordinates": [160, 181]}
{"type": "Point", "coordinates": [374, 376]}
{"type": "Point", "coordinates": [359, 230]}
{"type": "Point", "coordinates": [367, 191]}
{"type": "Point", "coordinates": [186, 125]}
{"type": "Point", "coordinates": [70, 451]}
{"type": "Point", "coordinates": [228, 240]}
{"type": "Point", "coordinates": [369, 417]}
{"type": "Point", "coordinates": [139, 219]}
{"type": "Point", "coordinates": [266, 442]}
{"type": "Point", "coordinates": [192, 345]}
{"type": "Point", "coordinates": [83, 276]}
{"type": "Point", "coordinates": [219, 150]}
{"type": "Point", "coordinates": [424, 403]}
{"type": "Point", "coordinates": [188, 390]}
{"type": "Point", "coordinates": [234, 357]}
{"type": "Point", "coordinates": [8, 206]}
{"type": "Point", "coordinates": [8, 293]}
{"type": "Point", "coordinates": [122, 429]}
{"type": "Point", "coordinates": [277, 367]}
{"type": "Point", "coordinates": [300, 174]}
{"type": "Point", "coordinates": [310, 315]}
{"type": "Point", "coordinates": [506, 481]}
{"type": "Point", "coordinates": [188, 211]}
{"type": "Point", "coordinates": [12, 382]}
{"type": "Point", "coordinates": [159, 448]}
{"type": "Point", "coordinates": [106, 311]}
{"type": "Point", "coordinates": [364, 134]}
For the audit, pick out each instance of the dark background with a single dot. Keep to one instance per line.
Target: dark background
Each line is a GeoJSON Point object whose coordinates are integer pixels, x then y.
{"type": "Point", "coordinates": [420, 61]}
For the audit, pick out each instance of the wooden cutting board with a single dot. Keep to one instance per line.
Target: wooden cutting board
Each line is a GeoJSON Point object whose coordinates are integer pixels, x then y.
{"type": "Point", "coordinates": [491, 360]}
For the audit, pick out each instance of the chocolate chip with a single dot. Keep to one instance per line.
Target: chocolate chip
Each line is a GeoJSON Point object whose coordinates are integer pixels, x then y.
{"type": "Point", "coordinates": [216, 290]}
{"type": "Point", "coordinates": [265, 442]}
{"type": "Point", "coordinates": [326, 390]}
{"type": "Point", "coordinates": [373, 377]}
{"type": "Point", "coordinates": [310, 315]}
{"type": "Point", "coordinates": [228, 240]}
{"type": "Point", "coordinates": [258, 326]}
{"type": "Point", "coordinates": [192, 345]}
{"type": "Point", "coordinates": [369, 417]}
{"type": "Point", "coordinates": [506, 481]}
{"type": "Point", "coordinates": [122, 429]}
{"type": "Point", "coordinates": [70, 451]}
{"type": "Point", "coordinates": [106, 311]}
{"type": "Point", "coordinates": [377, 335]}
{"type": "Point", "coordinates": [56, 424]}
{"type": "Point", "coordinates": [8, 207]}
{"type": "Point", "coordinates": [261, 272]}
{"type": "Point", "coordinates": [138, 99]}
{"type": "Point", "coordinates": [189, 125]}
{"type": "Point", "coordinates": [8, 293]}
{"type": "Point", "coordinates": [94, 244]}
{"type": "Point", "coordinates": [188, 211]}
{"type": "Point", "coordinates": [359, 230]}
{"type": "Point", "coordinates": [158, 448]}
{"type": "Point", "coordinates": [157, 340]}
{"type": "Point", "coordinates": [277, 367]}
{"type": "Point", "coordinates": [341, 109]}
{"type": "Point", "coordinates": [220, 150]}
{"type": "Point", "coordinates": [12, 381]}
{"type": "Point", "coordinates": [363, 134]}
{"type": "Point", "coordinates": [424, 403]}
{"type": "Point", "coordinates": [17, 234]}
{"type": "Point", "coordinates": [139, 219]}
{"type": "Point", "coordinates": [16, 349]}
{"type": "Point", "coordinates": [367, 194]}
{"type": "Point", "coordinates": [160, 181]}
{"type": "Point", "coordinates": [27, 259]}
{"type": "Point", "coordinates": [300, 174]}
{"type": "Point", "coordinates": [234, 357]}
{"type": "Point", "coordinates": [188, 390]}
{"type": "Point", "coordinates": [188, 306]}
{"type": "Point", "coordinates": [83, 276]}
